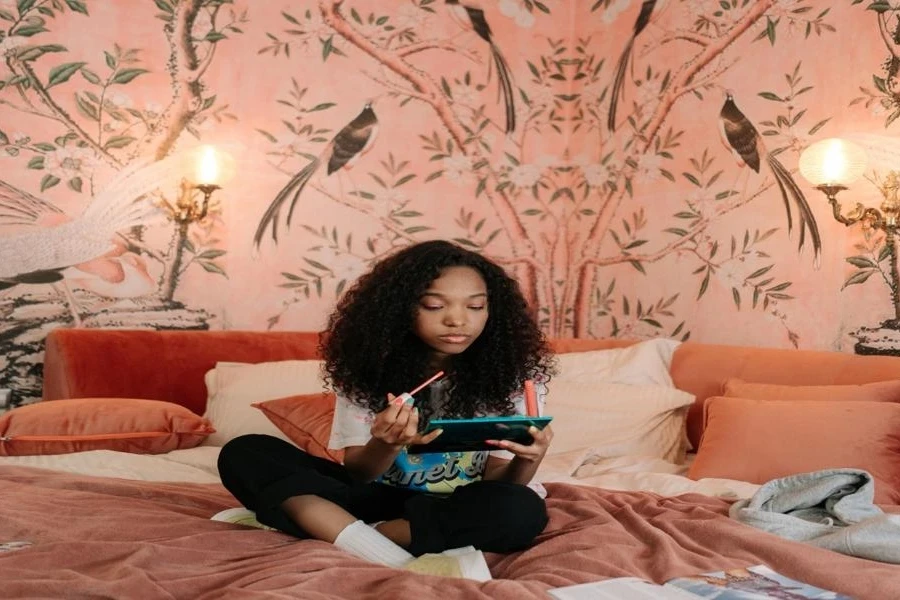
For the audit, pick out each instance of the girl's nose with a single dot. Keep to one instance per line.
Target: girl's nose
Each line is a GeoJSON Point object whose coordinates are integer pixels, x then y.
{"type": "Point", "coordinates": [454, 317]}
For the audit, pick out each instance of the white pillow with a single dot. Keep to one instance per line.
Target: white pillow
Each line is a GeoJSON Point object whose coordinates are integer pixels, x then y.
{"type": "Point", "coordinates": [614, 419]}
{"type": "Point", "coordinates": [233, 387]}
{"type": "Point", "coordinates": [646, 362]}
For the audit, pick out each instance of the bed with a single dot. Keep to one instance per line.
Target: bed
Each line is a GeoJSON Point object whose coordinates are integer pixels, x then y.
{"type": "Point", "coordinates": [132, 518]}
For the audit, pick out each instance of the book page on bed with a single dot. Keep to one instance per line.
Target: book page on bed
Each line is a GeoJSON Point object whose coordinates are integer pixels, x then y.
{"type": "Point", "coordinates": [626, 588]}
{"type": "Point", "coordinates": [751, 583]}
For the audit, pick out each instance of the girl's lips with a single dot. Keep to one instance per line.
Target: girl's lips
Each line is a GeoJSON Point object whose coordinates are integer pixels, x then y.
{"type": "Point", "coordinates": [454, 339]}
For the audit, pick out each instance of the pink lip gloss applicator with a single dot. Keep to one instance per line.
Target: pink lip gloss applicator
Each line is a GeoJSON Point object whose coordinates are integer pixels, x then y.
{"type": "Point", "coordinates": [407, 397]}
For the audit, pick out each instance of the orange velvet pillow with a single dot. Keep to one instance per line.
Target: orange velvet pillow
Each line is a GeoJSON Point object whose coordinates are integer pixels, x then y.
{"type": "Point", "coordinates": [306, 420]}
{"type": "Point", "coordinates": [757, 440]}
{"type": "Point", "coordinates": [877, 391]}
{"type": "Point", "coordinates": [77, 425]}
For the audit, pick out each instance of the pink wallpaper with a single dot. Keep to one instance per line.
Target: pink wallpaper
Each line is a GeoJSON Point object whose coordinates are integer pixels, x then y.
{"type": "Point", "coordinates": [590, 147]}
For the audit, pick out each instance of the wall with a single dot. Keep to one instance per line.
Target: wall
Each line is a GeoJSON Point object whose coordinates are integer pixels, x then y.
{"type": "Point", "coordinates": [646, 228]}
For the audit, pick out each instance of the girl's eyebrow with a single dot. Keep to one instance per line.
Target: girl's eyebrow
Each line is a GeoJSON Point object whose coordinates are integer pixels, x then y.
{"type": "Point", "coordinates": [440, 295]}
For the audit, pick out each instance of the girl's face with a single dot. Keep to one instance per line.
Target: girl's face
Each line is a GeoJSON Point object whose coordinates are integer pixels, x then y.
{"type": "Point", "coordinates": [452, 312]}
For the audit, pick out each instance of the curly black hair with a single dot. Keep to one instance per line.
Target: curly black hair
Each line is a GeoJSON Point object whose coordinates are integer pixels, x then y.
{"type": "Point", "coordinates": [370, 347]}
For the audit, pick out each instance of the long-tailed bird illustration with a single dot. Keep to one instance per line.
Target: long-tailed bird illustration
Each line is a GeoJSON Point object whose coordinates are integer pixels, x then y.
{"type": "Point", "coordinates": [342, 151]}
{"type": "Point", "coordinates": [471, 18]}
{"type": "Point", "coordinates": [745, 143]}
{"type": "Point", "coordinates": [54, 243]}
{"type": "Point", "coordinates": [643, 19]}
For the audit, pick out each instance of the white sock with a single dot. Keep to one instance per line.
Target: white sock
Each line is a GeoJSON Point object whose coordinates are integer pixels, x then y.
{"type": "Point", "coordinates": [368, 543]}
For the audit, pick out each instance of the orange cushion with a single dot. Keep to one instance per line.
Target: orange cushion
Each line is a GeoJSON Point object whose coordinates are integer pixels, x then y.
{"type": "Point", "coordinates": [878, 391]}
{"type": "Point", "coordinates": [306, 420]}
{"type": "Point", "coordinates": [757, 440]}
{"type": "Point", "coordinates": [77, 425]}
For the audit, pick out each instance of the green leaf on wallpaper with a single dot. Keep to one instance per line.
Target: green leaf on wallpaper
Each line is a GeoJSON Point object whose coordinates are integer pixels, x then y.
{"type": "Point", "coordinates": [818, 126]}
{"type": "Point", "coordinates": [737, 297]}
{"type": "Point", "coordinates": [32, 52]}
{"type": "Point", "coordinates": [164, 6]}
{"type": "Point", "coordinates": [676, 231]}
{"type": "Point", "coordinates": [857, 278]}
{"type": "Point", "coordinates": [45, 146]}
{"type": "Point", "coordinates": [759, 272]}
{"type": "Point", "coordinates": [77, 6]}
{"type": "Point", "coordinates": [75, 184]}
{"type": "Point", "coordinates": [880, 84]}
{"type": "Point", "coordinates": [879, 6]}
{"type": "Point", "coordinates": [36, 162]}
{"type": "Point", "coordinates": [86, 108]}
{"type": "Point", "coordinates": [90, 76]}
{"type": "Point", "coordinates": [416, 229]}
{"type": "Point", "coordinates": [771, 96]}
{"type": "Point", "coordinates": [48, 181]}
{"type": "Point", "coordinates": [30, 30]}
{"type": "Point", "coordinates": [704, 284]}
{"type": "Point", "coordinates": [210, 254]}
{"type": "Point", "coordinates": [885, 252]}
{"type": "Point", "coordinates": [638, 266]}
{"type": "Point", "coordinates": [214, 36]}
{"type": "Point", "coordinates": [435, 175]}
{"type": "Point", "coordinates": [118, 141]}
{"type": "Point", "coordinates": [62, 73]}
{"type": "Point", "coordinates": [25, 5]}
{"type": "Point", "coordinates": [212, 267]}
{"type": "Point", "coordinates": [861, 262]}
{"type": "Point", "coordinates": [770, 29]}
{"type": "Point", "coordinates": [126, 75]}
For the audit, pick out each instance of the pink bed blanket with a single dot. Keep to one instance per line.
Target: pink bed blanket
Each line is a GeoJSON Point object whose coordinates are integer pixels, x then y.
{"type": "Point", "coordinates": [102, 537]}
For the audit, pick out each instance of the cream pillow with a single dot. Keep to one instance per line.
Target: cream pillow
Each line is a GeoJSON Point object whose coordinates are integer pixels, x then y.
{"type": "Point", "coordinates": [614, 419]}
{"type": "Point", "coordinates": [233, 387]}
{"type": "Point", "coordinates": [643, 363]}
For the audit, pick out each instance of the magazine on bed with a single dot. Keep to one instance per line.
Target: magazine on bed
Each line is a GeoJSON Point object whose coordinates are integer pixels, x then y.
{"type": "Point", "coordinates": [751, 583]}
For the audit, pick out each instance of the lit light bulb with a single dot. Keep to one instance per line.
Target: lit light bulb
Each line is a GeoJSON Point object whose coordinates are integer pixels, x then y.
{"type": "Point", "coordinates": [832, 162]}
{"type": "Point", "coordinates": [208, 169]}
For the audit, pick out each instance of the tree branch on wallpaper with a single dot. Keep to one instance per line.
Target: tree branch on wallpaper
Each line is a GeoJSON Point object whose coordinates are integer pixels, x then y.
{"type": "Point", "coordinates": [570, 207]}
{"type": "Point", "coordinates": [647, 136]}
{"type": "Point", "coordinates": [101, 133]}
{"type": "Point", "coordinates": [425, 89]}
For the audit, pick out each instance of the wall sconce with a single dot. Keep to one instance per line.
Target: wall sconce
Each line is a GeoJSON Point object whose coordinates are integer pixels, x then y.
{"type": "Point", "coordinates": [187, 209]}
{"type": "Point", "coordinates": [831, 165]}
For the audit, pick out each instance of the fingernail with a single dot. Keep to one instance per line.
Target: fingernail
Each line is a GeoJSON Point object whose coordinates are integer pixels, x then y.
{"type": "Point", "coordinates": [532, 429]}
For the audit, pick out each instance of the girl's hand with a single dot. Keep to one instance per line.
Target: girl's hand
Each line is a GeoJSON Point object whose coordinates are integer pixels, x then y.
{"type": "Point", "coordinates": [397, 425]}
{"type": "Point", "coordinates": [532, 453]}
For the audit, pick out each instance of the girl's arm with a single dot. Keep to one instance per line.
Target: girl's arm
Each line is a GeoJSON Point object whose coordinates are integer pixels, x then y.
{"type": "Point", "coordinates": [526, 461]}
{"type": "Point", "coordinates": [394, 427]}
{"type": "Point", "coordinates": [367, 463]}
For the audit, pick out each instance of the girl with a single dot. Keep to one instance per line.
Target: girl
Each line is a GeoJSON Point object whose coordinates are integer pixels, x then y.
{"type": "Point", "coordinates": [430, 307]}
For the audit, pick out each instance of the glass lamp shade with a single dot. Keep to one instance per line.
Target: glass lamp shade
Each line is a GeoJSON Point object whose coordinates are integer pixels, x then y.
{"type": "Point", "coordinates": [833, 162]}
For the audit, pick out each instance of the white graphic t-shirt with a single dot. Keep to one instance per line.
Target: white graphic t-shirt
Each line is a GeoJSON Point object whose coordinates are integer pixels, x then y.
{"type": "Point", "coordinates": [436, 472]}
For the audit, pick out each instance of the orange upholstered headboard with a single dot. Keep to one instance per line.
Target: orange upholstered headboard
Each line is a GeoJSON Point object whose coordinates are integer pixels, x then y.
{"type": "Point", "coordinates": [170, 365]}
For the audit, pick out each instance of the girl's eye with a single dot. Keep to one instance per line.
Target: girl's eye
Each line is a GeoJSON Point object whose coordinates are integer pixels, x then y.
{"type": "Point", "coordinates": [482, 307]}
{"type": "Point", "coordinates": [431, 307]}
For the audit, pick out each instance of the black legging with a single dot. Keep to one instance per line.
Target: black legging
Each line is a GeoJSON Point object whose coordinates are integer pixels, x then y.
{"type": "Point", "coordinates": [495, 516]}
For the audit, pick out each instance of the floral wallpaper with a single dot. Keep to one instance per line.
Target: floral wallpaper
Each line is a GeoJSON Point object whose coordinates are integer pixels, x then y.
{"type": "Point", "coordinates": [632, 163]}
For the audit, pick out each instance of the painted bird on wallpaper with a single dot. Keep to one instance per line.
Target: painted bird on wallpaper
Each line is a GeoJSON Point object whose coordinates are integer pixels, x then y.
{"type": "Point", "coordinates": [471, 18]}
{"type": "Point", "coordinates": [741, 137]}
{"type": "Point", "coordinates": [342, 151]}
{"type": "Point", "coordinates": [643, 19]}
{"type": "Point", "coordinates": [54, 242]}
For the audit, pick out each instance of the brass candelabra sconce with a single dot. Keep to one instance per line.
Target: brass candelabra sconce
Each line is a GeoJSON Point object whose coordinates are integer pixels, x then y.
{"type": "Point", "coordinates": [190, 207]}
{"type": "Point", "coordinates": [831, 165]}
